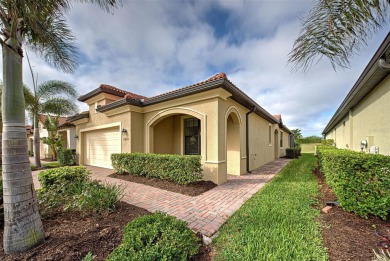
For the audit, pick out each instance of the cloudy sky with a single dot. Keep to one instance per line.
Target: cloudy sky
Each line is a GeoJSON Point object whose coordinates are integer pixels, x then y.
{"type": "Point", "coordinates": [150, 47]}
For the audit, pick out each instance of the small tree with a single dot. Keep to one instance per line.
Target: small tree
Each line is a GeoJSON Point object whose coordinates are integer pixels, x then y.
{"type": "Point", "coordinates": [54, 139]}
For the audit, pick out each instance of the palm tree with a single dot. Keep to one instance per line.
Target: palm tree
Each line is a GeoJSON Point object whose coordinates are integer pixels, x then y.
{"type": "Point", "coordinates": [51, 97]}
{"type": "Point", "coordinates": [41, 25]}
{"type": "Point", "coordinates": [54, 139]}
{"type": "Point", "coordinates": [336, 30]}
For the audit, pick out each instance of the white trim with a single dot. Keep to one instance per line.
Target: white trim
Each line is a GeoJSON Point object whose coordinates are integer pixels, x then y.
{"type": "Point", "coordinates": [215, 161]}
{"type": "Point", "coordinates": [105, 126]}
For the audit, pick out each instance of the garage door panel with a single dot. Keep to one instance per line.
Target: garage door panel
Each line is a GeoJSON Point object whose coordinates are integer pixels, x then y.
{"type": "Point", "coordinates": [99, 145]}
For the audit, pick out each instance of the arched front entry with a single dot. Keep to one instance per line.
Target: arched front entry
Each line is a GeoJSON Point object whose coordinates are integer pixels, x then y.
{"type": "Point", "coordinates": [177, 131]}
{"type": "Point", "coordinates": [276, 144]}
{"type": "Point", "coordinates": [233, 144]}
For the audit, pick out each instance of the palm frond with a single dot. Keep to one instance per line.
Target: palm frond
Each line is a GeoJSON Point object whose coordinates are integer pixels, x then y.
{"type": "Point", "coordinates": [48, 89]}
{"type": "Point", "coordinates": [59, 106]}
{"type": "Point", "coordinates": [29, 98]}
{"type": "Point", "coordinates": [52, 39]}
{"type": "Point", "coordinates": [107, 5]}
{"type": "Point", "coordinates": [336, 30]}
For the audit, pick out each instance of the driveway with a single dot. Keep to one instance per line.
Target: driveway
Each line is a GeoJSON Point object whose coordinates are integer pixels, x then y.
{"type": "Point", "coordinates": [204, 213]}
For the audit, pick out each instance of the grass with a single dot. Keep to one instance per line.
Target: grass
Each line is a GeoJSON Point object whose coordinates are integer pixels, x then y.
{"type": "Point", "coordinates": [279, 222]}
{"type": "Point", "coordinates": [309, 147]}
{"type": "Point", "coordinates": [49, 165]}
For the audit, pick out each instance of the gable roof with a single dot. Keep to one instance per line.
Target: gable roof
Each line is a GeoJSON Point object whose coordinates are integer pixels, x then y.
{"type": "Point", "coordinates": [219, 80]}
{"type": "Point", "coordinates": [105, 88]}
{"type": "Point", "coordinates": [372, 75]}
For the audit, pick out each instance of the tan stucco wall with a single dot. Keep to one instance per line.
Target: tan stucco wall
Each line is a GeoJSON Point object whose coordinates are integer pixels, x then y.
{"type": "Point", "coordinates": [159, 129]}
{"type": "Point", "coordinates": [369, 120]}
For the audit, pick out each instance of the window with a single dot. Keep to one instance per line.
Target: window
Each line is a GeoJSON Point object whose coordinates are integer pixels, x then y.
{"type": "Point", "coordinates": [269, 135]}
{"type": "Point", "coordinates": [281, 139]}
{"type": "Point", "coordinates": [191, 136]}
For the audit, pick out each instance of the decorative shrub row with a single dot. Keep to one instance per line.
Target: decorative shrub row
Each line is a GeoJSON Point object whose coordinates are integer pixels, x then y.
{"type": "Point", "coordinates": [156, 237]}
{"type": "Point", "coordinates": [293, 153]}
{"type": "Point", "coordinates": [66, 157]}
{"type": "Point", "coordinates": [360, 181]}
{"type": "Point", "coordinates": [182, 169]}
{"type": "Point", "coordinates": [70, 188]}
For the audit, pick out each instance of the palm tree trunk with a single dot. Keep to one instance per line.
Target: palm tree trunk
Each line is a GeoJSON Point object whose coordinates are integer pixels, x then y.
{"type": "Point", "coordinates": [37, 143]}
{"type": "Point", "coordinates": [23, 227]}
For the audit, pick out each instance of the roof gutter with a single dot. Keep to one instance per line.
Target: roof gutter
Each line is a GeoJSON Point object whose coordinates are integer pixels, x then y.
{"type": "Point", "coordinates": [247, 138]}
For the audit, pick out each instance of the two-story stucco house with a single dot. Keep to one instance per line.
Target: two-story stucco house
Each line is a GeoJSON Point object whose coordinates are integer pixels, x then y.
{"type": "Point", "coordinates": [213, 118]}
{"type": "Point", "coordinates": [362, 122]}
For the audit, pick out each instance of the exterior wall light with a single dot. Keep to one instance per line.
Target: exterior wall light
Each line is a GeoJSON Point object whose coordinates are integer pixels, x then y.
{"type": "Point", "coordinates": [124, 131]}
{"type": "Point", "coordinates": [76, 137]}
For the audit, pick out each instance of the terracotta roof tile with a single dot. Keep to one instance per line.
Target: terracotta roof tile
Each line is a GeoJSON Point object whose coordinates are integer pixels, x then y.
{"type": "Point", "coordinates": [125, 94]}
{"type": "Point", "coordinates": [277, 116]}
{"type": "Point", "coordinates": [61, 120]}
{"type": "Point", "coordinates": [218, 76]}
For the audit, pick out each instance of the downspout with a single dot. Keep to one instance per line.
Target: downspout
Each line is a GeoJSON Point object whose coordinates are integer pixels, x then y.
{"type": "Point", "coordinates": [247, 138]}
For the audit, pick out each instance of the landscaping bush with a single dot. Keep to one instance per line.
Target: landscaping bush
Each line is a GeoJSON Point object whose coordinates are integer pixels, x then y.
{"type": "Point", "coordinates": [293, 153]}
{"type": "Point", "coordinates": [310, 139]}
{"type": "Point", "coordinates": [360, 181]}
{"type": "Point", "coordinates": [64, 176]}
{"type": "Point", "coordinates": [328, 142]}
{"type": "Point", "coordinates": [66, 157]}
{"type": "Point", "coordinates": [70, 188]}
{"type": "Point", "coordinates": [156, 237]}
{"type": "Point", "coordinates": [182, 169]}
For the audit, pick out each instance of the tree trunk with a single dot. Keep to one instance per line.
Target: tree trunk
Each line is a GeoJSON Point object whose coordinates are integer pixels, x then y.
{"type": "Point", "coordinates": [37, 143]}
{"type": "Point", "coordinates": [22, 223]}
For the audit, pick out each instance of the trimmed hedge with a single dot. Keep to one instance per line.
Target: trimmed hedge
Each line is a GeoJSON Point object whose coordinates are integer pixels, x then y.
{"type": "Point", "coordinates": [66, 157]}
{"type": "Point", "coordinates": [293, 153]}
{"type": "Point", "coordinates": [360, 181]}
{"type": "Point", "coordinates": [182, 169]}
{"type": "Point", "coordinates": [156, 237]}
{"type": "Point", "coordinates": [63, 176]}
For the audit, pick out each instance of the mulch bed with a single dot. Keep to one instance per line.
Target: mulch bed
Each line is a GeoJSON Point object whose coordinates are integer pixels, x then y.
{"type": "Point", "coordinates": [69, 236]}
{"type": "Point", "coordinates": [346, 235]}
{"type": "Point", "coordinates": [193, 189]}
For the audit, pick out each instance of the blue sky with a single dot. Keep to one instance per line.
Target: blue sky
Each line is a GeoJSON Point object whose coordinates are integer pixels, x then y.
{"type": "Point", "coordinates": [150, 47]}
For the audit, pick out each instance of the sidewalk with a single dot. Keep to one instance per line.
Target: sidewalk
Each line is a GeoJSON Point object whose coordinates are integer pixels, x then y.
{"type": "Point", "coordinates": [204, 213]}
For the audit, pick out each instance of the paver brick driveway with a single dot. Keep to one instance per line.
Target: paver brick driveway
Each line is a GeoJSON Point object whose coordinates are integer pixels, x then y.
{"type": "Point", "coordinates": [204, 213]}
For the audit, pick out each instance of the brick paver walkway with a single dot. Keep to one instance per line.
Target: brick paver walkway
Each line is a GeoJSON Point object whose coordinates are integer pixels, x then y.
{"type": "Point", "coordinates": [204, 213]}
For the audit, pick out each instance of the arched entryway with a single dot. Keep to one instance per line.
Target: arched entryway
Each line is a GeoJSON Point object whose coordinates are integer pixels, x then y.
{"type": "Point", "coordinates": [276, 144]}
{"type": "Point", "coordinates": [233, 146]}
{"type": "Point", "coordinates": [176, 131]}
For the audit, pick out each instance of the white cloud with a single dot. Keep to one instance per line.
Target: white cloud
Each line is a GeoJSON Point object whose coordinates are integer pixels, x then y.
{"type": "Point", "coordinates": [150, 47]}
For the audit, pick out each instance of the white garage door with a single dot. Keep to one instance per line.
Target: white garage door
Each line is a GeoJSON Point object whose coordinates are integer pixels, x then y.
{"type": "Point", "coordinates": [99, 145]}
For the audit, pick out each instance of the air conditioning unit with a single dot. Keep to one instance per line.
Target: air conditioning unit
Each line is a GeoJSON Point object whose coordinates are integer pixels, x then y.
{"type": "Point", "coordinates": [374, 150]}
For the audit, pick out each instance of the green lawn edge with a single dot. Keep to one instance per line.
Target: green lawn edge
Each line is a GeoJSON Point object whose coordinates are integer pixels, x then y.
{"type": "Point", "coordinates": [280, 222]}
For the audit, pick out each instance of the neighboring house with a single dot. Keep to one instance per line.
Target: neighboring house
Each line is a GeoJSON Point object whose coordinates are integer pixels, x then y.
{"type": "Point", "coordinates": [362, 122]}
{"type": "Point", "coordinates": [213, 118]}
{"type": "Point", "coordinates": [66, 129]}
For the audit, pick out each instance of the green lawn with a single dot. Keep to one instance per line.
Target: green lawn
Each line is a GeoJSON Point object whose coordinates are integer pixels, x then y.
{"type": "Point", "coordinates": [279, 222]}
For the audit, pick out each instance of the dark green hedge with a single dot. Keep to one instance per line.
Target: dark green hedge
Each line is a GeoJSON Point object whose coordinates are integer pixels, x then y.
{"type": "Point", "coordinates": [156, 237]}
{"type": "Point", "coordinates": [360, 181]}
{"type": "Point", "coordinates": [66, 157]}
{"type": "Point", "coordinates": [310, 139]}
{"type": "Point", "coordinates": [182, 169]}
{"type": "Point", "coordinates": [293, 153]}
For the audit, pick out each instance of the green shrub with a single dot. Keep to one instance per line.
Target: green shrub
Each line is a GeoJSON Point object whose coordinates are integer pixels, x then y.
{"type": "Point", "coordinates": [182, 169]}
{"type": "Point", "coordinates": [66, 157]}
{"type": "Point", "coordinates": [328, 142]}
{"type": "Point", "coordinates": [360, 181]}
{"type": "Point", "coordinates": [293, 153]}
{"type": "Point", "coordinates": [95, 197]}
{"type": "Point", "coordinates": [88, 257]}
{"type": "Point", "coordinates": [156, 237]}
{"type": "Point", "coordinates": [64, 176]}
{"type": "Point", "coordinates": [310, 139]}
{"type": "Point", "coordinates": [70, 188]}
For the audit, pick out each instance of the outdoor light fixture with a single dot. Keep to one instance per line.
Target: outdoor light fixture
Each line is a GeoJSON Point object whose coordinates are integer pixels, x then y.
{"type": "Point", "coordinates": [76, 137]}
{"type": "Point", "coordinates": [124, 131]}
